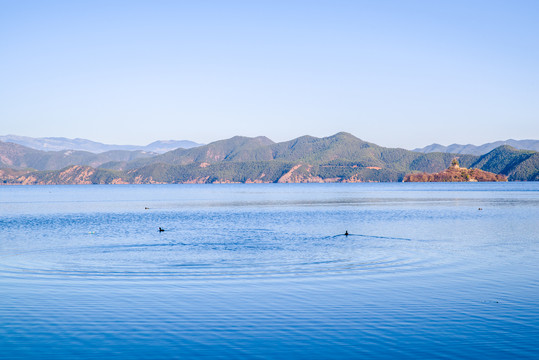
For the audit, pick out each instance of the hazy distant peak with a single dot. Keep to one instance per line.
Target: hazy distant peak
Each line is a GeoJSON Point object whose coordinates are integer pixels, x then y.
{"type": "Point", "coordinates": [78, 144]}
{"type": "Point", "coordinates": [481, 149]}
{"type": "Point", "coordinates": [163, 146]}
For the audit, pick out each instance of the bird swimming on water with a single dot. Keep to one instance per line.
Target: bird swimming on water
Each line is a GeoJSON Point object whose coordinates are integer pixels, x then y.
{"type": "Point", "coordinates": [346, 233]}
{"type": "Point", "coordinates": [161, 229]}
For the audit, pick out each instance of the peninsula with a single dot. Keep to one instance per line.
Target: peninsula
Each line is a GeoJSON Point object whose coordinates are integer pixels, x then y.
{"type": "Point", "coordinates": [455, 173]}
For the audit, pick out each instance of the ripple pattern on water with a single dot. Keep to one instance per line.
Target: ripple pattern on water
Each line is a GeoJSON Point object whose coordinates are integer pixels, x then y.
{"type": "Point", "coordinates": [266, 271]}
{"type": "Point", "coordinates": [260, 253]}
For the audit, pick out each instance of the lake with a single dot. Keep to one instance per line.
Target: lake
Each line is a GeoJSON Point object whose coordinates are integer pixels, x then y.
{"type": "Point", "coordinates": [428, 270]}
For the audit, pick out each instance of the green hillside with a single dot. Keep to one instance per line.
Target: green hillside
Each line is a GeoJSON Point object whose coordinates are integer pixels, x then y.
{"type": "Point", "coordinates": [238, 148]}
{"type": "Point", "coordinates": [21, 157]}
{"type": "Point", "coordinates": [515, 164]}
{"type": "Point", "coordinates": [338, 158]}
{"type": "Point", "coordinates": [341, 148]}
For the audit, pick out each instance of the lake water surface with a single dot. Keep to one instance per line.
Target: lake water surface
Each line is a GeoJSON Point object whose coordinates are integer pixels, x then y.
{"type": "Point", "coordinates": [264, 271]}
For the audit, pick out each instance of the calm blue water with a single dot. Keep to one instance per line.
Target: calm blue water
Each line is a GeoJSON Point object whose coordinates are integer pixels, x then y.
{"type": "Point", "coordinates": [262, 271]}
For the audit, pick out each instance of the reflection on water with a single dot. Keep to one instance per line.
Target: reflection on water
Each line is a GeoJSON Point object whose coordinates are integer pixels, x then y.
{"type": "Point", "coordinates": [266, 271]}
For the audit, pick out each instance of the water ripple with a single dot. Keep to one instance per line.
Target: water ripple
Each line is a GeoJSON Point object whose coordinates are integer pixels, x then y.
{"type": "Point", "coordinates": [216, 259]}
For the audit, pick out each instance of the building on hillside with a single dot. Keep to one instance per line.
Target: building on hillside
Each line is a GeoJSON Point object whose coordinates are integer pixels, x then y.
{"type": "Point", "coordinates": [455, 163]}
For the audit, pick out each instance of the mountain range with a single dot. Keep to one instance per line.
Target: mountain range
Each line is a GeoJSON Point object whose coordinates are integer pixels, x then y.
{"type": "Point", "coordinates": [481, 149]}
{"type": "Point", "coordinates": [163, 146]}
{"type": "Point", "coordinates": [60, 143]}
{"type": "Point", "coordinates": [338, 158]}
{"type": "Point", "coordinates": [17, 156]}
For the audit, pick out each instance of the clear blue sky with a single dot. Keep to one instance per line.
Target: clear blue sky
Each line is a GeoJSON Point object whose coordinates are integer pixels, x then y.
{"type": "Point", "coordinates": [397, 73]}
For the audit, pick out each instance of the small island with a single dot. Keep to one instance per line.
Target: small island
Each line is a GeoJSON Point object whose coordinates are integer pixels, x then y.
{"type": "Point", "coordinates": [455, 173]}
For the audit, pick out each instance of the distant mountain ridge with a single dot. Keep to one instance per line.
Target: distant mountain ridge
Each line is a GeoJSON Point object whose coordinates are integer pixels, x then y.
{"type": "Point", "coordinates": [338, 158]}
{"type": "Point", "coordinates": [19, 157]}
{"type": "Point", "coordinates": [61, 143]}
{"type": "Point", "coordinates": [480, 149]}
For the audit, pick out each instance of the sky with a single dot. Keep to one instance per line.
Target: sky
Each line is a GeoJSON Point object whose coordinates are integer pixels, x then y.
{"type": "Point", "coordinates": [396, 73]}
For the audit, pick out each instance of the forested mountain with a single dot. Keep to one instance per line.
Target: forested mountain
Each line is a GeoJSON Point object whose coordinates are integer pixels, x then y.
{"type": "Point", "coordinates": [339, 149]}
{"type": "Point", "coordinates": [61, 143]}
{"type": "Point", "coordinates": [338, 158]}
{"type": "Point", "coordinates": [515, 164]}
{"type": "Point", "coordinates": [21, 157]}
{"type": "Point", "coordinates": [481, 149]}
{"type": "Point", "coordinates": [238, 148]}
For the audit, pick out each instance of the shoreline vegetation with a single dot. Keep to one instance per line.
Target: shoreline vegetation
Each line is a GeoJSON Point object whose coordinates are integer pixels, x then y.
{"type": "Point", "coordinates": [338, 158]}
